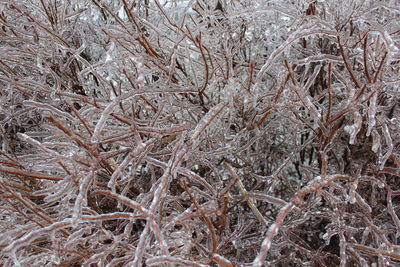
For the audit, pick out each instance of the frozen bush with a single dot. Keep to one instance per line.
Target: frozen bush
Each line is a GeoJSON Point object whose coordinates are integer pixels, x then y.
{"type": "Point", "coordinates": [199, 133]}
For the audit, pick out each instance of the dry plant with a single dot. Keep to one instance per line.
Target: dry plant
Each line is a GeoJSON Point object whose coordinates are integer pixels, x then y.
{"type": "Point", "coordinates": [200, 133]}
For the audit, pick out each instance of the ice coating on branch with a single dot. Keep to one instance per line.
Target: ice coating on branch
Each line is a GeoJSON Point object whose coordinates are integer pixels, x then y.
{"type": "Point", "coordinates": [81, 198]}
{"type": "Point", "coordinates": [362, 203]}
{"type": "Point", "coordinates": [103, 118]}
{"type": "Point", "coordinates": [311, 107]}
{"type": "Point", "coordinates": [230, 91]}
{"type": "Point", "coordinates": [391, 45]}
{"type": "Point", "coordinates": [131, 156]}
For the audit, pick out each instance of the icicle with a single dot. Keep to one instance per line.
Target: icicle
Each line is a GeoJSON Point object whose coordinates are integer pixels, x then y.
{"type": "Point", "coordinates": [352, 193]}
{"type": "Point", "coordinates": [355, 128]}
{"type": "Point", "coordinates": [110, 52]}
{"type": "Point", "coordinates": [389, 143]}
{"type": "Point", "coordinates": [371, 113]}
{"type": "Point", "coordinates": [376, 141]}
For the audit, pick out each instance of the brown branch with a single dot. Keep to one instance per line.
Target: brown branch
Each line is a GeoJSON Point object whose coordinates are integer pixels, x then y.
{"type": "Point", "coordinates": [366, 59]}
{"type": "Point", "coordinates": [203, 214]}
{"type": "Point", "coordinates": [30, 174]}
{"type": "Point", "coordinates": [380, 67]}
{"type": "Point", "coordinates": [346, 63]}
{"type": "Point", "coordinates": [375, 251]}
